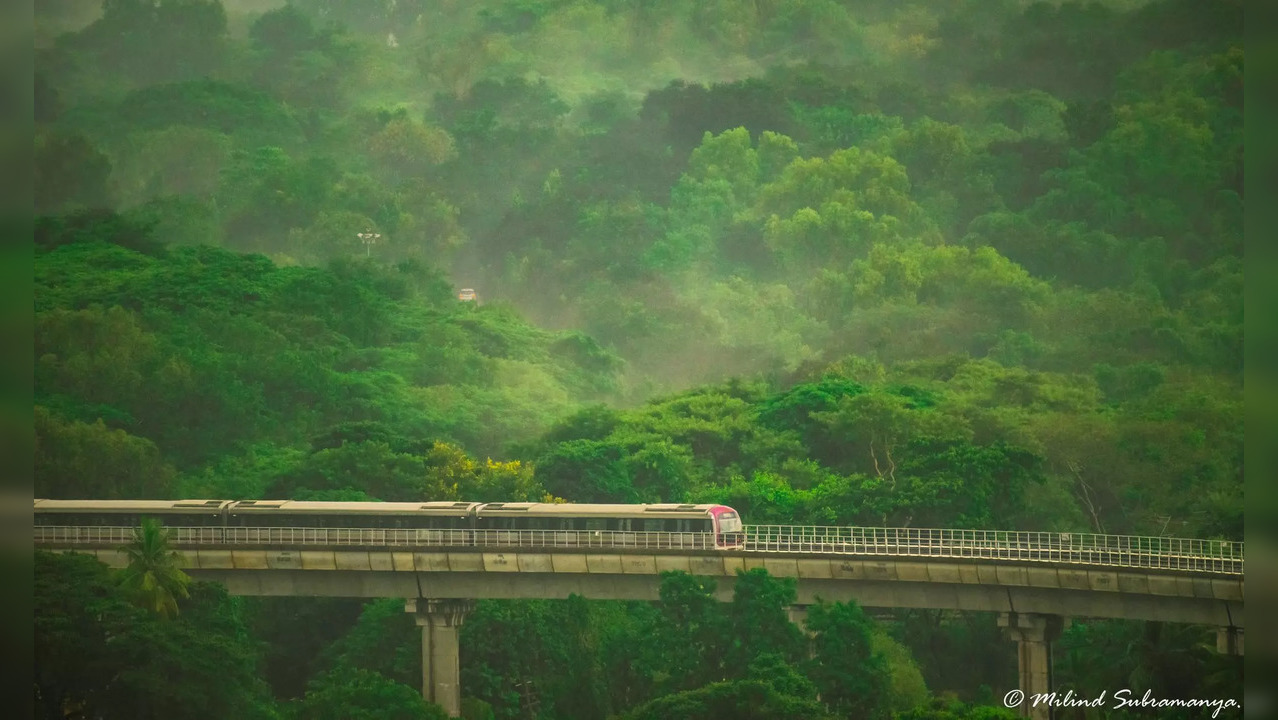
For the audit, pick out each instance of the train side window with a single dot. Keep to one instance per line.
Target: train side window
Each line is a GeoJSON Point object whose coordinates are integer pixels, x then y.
{"type": "Point", "coordinates": [596, 524]}
{"type": "Point", "coordinates": [653, 524]}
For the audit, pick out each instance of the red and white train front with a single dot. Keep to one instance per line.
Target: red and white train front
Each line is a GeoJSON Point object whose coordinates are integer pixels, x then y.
{"type": "Point", "coordinates": [729, 532]}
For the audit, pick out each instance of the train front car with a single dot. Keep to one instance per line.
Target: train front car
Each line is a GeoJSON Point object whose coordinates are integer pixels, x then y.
{"type": "Point", "coordinates": [666, 526]}
{"type": "Point", "coordinates": [111, 523]}
{"type": "Point", "coordinates": [729, 531]}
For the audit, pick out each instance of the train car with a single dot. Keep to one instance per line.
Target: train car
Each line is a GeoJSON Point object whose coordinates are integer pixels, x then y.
{"type": "Point", "coordinates": [271, 522]}
{"type": "Point", "coordinates": [302, 523]}
{"type": "Point", "coordinates": [641, 526]}
{"type": "Point", "coordinates": [113, 521]}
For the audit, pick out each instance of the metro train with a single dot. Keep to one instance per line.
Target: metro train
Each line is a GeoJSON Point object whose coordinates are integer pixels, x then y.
{"type": "Point", "coordinates": [400, 523]}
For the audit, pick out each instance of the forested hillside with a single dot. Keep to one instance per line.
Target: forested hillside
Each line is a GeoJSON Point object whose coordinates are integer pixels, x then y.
{"type": "Point", "coordinates": [960, 264]}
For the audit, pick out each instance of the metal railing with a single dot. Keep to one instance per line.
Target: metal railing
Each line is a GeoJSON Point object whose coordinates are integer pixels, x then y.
{"type": "Point", "coordinates": [115, 536]}
{"type": "Point", "coordinates": [1216, 556]}
{"type": "Point", "coordinates": [472, 538]}
{"type": "Point", "coordinates": [1119, 551]}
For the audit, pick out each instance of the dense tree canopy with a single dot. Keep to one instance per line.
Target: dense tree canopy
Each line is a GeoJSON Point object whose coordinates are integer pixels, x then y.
{"type": "Point", "coordinates": [962, 264]}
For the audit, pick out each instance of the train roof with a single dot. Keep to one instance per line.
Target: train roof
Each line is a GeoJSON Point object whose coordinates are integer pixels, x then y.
{"type": "Point", "coordinates": [353, 508]}
{"type": "Point", "coordinates": [588, 510]}
{"type": "Point", "coordinates": [128, 506]}
{"type": "Point", "coordinates": [675, 510]}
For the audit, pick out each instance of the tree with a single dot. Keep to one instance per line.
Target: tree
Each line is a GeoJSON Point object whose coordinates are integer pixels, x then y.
{"type": "Point", "coordinates": [586, 471]}
{"type": "Point", "coordinates": [77, 459]}
{"type": "Point", "coordinates": [950, 709]}
{"type": "Point", "coordinates": [157, 41]}
{"type": "Point", "coordinates": [829, 211]}
{"type": "Point", "coordinates": [383, 640]}
{"type": "Point", "coordinates": [348, 694]}
{"type": "Point", "coordinates": [854, 681]}
{"type": "Point", "coordinates": [509, 646]}
{"type": "Point", "coordinates": [98, 655]}
{"type": "Point", "coordinates": [76, 609]}
{"type": "Point", "coordinates": [153, 579]}
{"type": "Point", "coordinates": [906, 688]}
{"type": "Point", "coordinates": [295, 633]}
{"type": "Point", "coordinates": [70, 173]}
{"type": "Point", "coordinates": [178, 160]}
{"type": "Point", "coordinates": [760, 623]}
{"type": "Point", "coordinates": [405, 149]}
{"type": "Point", "coordinates": [692, 641]}
{"type": "Point", "coordinates": [777, 672]}
{"type": "Point", "coordinates": [300, 63]}
{"type": "Point", "coordinates": [1170, 660]}
{"type": "Point", "coordinates": [740, 700]}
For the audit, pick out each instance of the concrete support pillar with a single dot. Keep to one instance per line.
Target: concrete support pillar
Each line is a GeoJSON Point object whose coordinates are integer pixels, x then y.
{"type": "Point", "coordinates": [441, 667]}
{"type": "Point", "coordinates": [1229, 640]}
{"type": "Point", "coordinates": [798, 615]}
{"type": "Point", "coordinates": [1033, 635]}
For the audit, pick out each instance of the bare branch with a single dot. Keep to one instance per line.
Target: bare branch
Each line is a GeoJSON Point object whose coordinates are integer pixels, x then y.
{"type": "Point", "coordinates": [891, 464]}
{"type": "Point", "coordinates": [1087, 496]}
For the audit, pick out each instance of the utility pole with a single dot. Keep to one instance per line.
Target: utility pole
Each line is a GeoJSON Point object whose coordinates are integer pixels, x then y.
{"type": "Point", "coordinates": [368, 238]}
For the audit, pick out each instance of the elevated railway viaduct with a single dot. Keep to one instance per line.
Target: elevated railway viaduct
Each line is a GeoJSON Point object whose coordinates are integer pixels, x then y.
{"type": "Point", "coordinates": [1035, 582]}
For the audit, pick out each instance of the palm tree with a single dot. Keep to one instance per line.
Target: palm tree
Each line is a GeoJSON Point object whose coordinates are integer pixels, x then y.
{"type": "Point", "coordinates": [153, 579]}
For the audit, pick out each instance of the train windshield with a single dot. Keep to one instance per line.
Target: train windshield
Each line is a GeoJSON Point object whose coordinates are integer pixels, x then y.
{"type": "Point", "coordinates": [729, 522]}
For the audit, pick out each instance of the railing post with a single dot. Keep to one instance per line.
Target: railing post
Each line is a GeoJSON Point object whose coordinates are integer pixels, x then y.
{"type": "Point", "coordinates": [441, 667]}
{"type": "Point", "coordinates": [1033, 634]}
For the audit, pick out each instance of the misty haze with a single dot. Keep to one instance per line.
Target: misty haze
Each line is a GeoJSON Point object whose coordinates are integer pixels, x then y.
{"type": "Point", "coordinates": [842, 286]}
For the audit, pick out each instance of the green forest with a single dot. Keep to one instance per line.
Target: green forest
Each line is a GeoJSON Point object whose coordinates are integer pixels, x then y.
{"type": "Point", "coordinates": [968, 264]}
